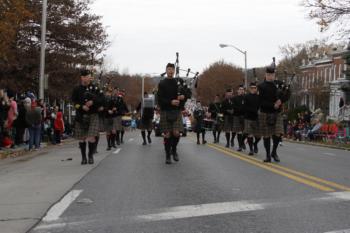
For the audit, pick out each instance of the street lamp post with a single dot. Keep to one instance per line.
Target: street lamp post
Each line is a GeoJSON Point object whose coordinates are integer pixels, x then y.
{"type": "Point", "coordinates": [245, 61]}
{"type": "Point", "coordinates": [42, 50]}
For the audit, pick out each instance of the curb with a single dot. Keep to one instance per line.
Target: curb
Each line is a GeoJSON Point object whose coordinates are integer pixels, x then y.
{"type": "Point", "coordinates": [19, 152]}
{"type": "Point", "coordinates": [317, 144]}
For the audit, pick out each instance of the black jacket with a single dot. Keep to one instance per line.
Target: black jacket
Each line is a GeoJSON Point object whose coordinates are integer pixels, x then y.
{"type": "Point", "coordinates": [251, 106]}
{"type": "Point", "coordinates": [238, 105]}
{"type": "Point", "coordinates": [214, 109]}
{"type": "Point", "coordinates": [227, 106]}
{"type": "Point", "coordinates": [167, 91]}
{"type": "Point", "coordinates": [82, 94]}
{"type": "Point", "coordinates": [268, 97]}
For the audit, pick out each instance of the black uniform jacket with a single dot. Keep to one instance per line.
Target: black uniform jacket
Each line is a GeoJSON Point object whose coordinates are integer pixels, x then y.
{"type": "Point", "coordinates": [251, 106]}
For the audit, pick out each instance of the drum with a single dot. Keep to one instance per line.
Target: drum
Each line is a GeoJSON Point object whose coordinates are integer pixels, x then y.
{"type": "Point", "coordinates": [126, 121]}
{"type": "Point", "coordinates": [208, 124]}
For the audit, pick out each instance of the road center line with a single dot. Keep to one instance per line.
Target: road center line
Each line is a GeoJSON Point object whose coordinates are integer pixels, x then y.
{"type": "Point", "coordinates": [310, 177]}
{"type": "Point", "coordinates": [117, 151]}
{"type": "Point", "coordinates": [275, 170]}
{"type": "Point", "coordinates": [57, 210]}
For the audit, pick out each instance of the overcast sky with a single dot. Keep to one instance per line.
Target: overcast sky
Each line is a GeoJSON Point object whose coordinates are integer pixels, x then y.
{"type": "Point", "coordinates": [146, 34]}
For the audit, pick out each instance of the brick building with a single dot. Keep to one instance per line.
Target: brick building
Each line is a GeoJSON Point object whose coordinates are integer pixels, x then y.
{"type": "Point", "coordinates": [320, 82]}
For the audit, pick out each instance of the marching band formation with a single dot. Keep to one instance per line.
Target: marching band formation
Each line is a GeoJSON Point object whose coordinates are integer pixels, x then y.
{"type": "Point", "coordinates": [249, 116]}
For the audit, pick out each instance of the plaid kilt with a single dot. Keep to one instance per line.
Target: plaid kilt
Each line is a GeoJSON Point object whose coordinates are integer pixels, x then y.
{"type": "Point", "coordinates": [108, 122]}
{"type": "Point", "coordinates": [238, 124]}
{"type": "Point", "coordinates": [267, 131]}
{"type": "Point", "coordinates": [166, 126]}
{"type": "Point", "coordinates": [228, 123]}
{"type": "Point", "coordinates": [117, 123]}
{"type": "Point", "coordinates": [146, 124]}
{"type": "Point", "coordinates": [91, 131]}
{"type": "Point", "coordinates": [251, 127]}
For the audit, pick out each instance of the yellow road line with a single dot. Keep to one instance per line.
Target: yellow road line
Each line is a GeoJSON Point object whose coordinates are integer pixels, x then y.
{"type": "Point", "coordinates": [274, 170]}
{"type": "Point", "coordinates": [310, 177]}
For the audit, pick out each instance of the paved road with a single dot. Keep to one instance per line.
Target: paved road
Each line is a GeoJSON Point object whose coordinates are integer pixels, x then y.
{"type": "Point", "coordinates": [211, 189]}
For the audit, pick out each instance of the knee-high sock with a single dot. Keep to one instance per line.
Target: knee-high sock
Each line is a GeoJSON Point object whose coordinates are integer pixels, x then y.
{"type": "Point", "coordinates": [118, 136]}
{"type": "Point", "coordinates": [227, 135]}
{"type": "Point", "coordinates": [267, 145]}
{"type": "Point", "coordinates": [214, 135]}
{"type": "Point", "coordinates": [276, 141]}
{"type": "Point", "coordinates": [257, 140]}
{"type": "Point", "coordinates": [108, 137]}
{"type": "Point", "coordinates": [167, 145]}
{"type": "Point", "coordinates": [250, 143]}
{"type": "Point", "coordinates": [143, 133]}
{"type": "Point", "coordinates": [203, 136]}
{"type": "Point", "coordinates": [92, 146]}
{"type": "Point", "coordinates": [218, 136]}
{"type": "Point", "coordinates": [122, 135]}
{"type": "Point", "coordinates": [240, 138]}
{"type": "Point", "coordinates": [97, 139]}
{"type": "Point", "coordinates": [82, 146]}
{"type": "Point", "coordinates": [149, 133]}
{"type": "Point", "coordinates": [198, 135]}
{"type": "Point", "coordinates": [233, 137]}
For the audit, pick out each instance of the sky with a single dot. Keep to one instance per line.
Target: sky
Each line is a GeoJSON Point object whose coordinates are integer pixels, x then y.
{"type": "Point", "coordinates": [146, 34]}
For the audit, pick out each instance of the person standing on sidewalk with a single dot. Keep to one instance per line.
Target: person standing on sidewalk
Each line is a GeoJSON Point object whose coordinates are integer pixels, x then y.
{"type": "Point", "coordinates": [34, 119]}
{"type": "Point", "coordinates": [58, 126]}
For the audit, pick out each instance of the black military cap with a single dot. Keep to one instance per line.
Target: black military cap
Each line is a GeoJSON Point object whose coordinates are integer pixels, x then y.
{"type": "Point", "coordinates": [241, 86]}
{"type": "Point", "coordinates": [84, 72]}
{"type": "Point", "coordinates": [170, 65]}
{"type": "Point", "coordinates": [270, 70]}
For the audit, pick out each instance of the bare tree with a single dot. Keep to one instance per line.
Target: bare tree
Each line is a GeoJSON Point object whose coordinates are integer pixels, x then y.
{"type": "Point", "coordinates": [330, 12]}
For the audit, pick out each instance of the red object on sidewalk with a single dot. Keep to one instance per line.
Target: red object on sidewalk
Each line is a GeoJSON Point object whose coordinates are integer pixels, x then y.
{"type": "Point", "coordinates": [58, 124]}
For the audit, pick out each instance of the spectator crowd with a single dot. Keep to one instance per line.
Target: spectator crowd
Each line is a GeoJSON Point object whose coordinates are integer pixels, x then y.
{"type": "Point", "coordinates": [26, 121]}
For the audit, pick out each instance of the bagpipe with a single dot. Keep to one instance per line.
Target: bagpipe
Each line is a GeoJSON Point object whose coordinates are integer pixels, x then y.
{"type": "Point", "coordinates": [283, 86]}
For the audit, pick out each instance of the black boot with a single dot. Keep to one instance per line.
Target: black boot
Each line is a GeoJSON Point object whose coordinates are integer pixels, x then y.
{"type": "Point", "coordinates": [276, 141]}
{"type": "Point", "coordinates": [82, 146]}
{"type": "Point", "coordinates": [167, 147]}
{"type": "Point", "coordinates": [149, 137]}
{"type": "Point", "coordinates": [267, 145]}
{"type": "Point", "coordinates": [227, 135]}
{"type": "Point", "coordinates": [198, 135]}
{"type": "Point", "coordinates": [109, 147]}
{"type": "Point", "coordinates": [175, 141]}
{"type": "Point", "coordinates": [240, 138]}
{"type": "Point", "coordinates": [250, 143]}
{"type": "Point", "coordinates": [233, 139]}
{"type": "Point", "coordinates": [257, 140]}
{"type": "Point", "coordinates": [91, 152]}
{"type": "Point", "coordinates": [143, 133]}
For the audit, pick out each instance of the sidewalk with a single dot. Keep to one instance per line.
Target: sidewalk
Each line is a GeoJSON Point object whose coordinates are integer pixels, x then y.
{"type": "Point", "coordinates": [333, 146]}
{"type": "Point", "coordinates": [31, 184]}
